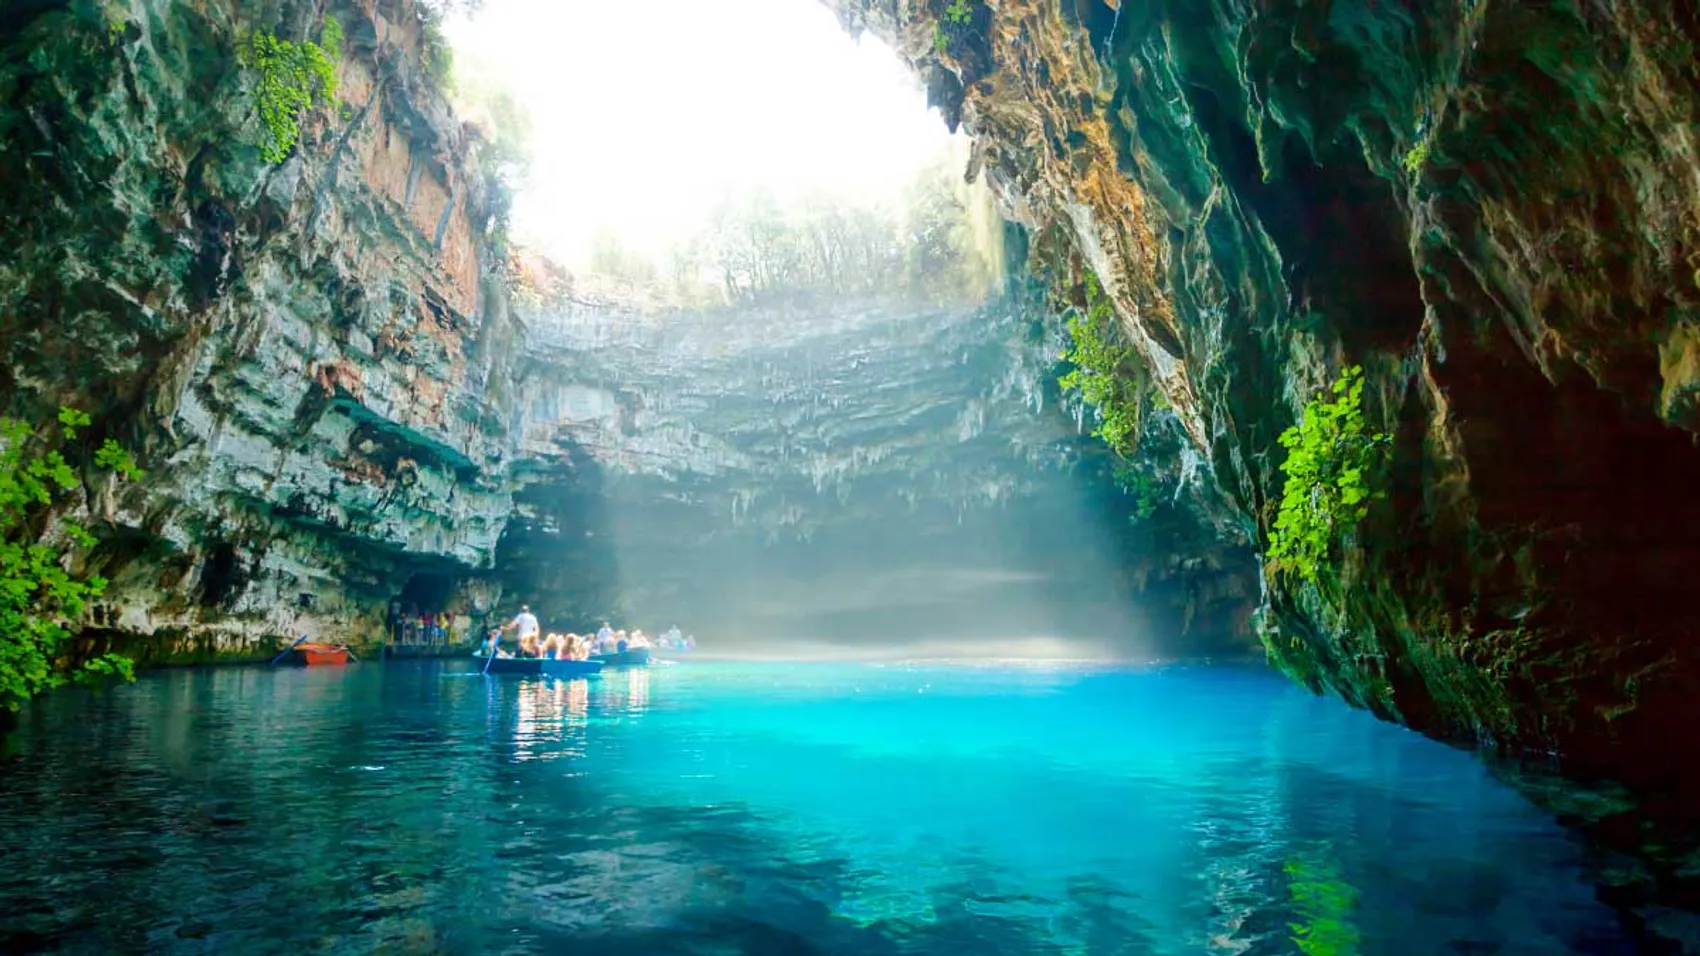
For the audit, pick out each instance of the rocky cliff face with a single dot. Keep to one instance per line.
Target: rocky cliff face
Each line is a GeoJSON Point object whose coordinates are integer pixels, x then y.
{"type": "Point", "coordinates": [1491, 207]}
{"type": "Point", "coordinates": [297, 353]}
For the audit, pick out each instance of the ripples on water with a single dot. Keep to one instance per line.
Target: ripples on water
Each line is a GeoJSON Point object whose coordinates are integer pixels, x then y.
{"type": "Point", "coordinates": [718, 808]}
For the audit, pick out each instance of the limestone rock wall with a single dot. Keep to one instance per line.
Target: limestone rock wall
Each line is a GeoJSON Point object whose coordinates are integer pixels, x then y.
{"type": "Point", "coordinates": [296, 353]}
{"type": "Point", "coordinates": [799, 470]}
{"type": "Point", "coordinates": [1490, 204]}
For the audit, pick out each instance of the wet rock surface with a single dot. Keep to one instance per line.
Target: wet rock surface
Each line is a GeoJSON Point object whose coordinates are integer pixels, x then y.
{"type": "Point", "coordinates": [1489, 205]}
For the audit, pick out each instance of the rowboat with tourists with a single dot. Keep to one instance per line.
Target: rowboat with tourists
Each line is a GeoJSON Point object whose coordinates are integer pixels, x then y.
{"type": "Point", "coordinates": [537, 653]}
{"type": "Point", "coordinates": [542, 667]}
{"type": "Point", "coordinates": [633, 657]}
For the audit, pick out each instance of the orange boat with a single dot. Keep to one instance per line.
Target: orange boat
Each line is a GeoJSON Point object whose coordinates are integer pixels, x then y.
{"type": "Point", "coordinates": [319, 654]}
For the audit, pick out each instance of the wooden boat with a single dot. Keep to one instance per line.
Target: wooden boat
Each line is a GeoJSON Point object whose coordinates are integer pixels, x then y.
{"type": "Point", "coordinates": [633, 657]}
{"type": "Point", "coordinates": [543, 667]}
{"type": "Point", "coordinates": [319, 655]}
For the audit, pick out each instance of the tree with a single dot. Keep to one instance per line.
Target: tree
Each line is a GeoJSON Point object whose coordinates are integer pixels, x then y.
{"type": "Point", "coordinates": [39, 599]}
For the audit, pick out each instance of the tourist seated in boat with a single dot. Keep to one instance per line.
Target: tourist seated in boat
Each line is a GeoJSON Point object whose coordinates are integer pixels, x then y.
{"type": "Point", "coordinates": [493, 642]}
{"type": "Point", "coordinates": [551, 646]}
{"type": "Point", "coordinates": [620, 642]}
{"type": "Point", "coordinates": [638, 639]}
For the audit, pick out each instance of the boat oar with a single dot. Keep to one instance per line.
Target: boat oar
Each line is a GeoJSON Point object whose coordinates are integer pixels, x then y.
{"type": "Point", "coordinates": [490, 652]}
{"type": "Point", "coordinates": [286, 650]}
{"type": "Point", "coordinates": [350, 654]}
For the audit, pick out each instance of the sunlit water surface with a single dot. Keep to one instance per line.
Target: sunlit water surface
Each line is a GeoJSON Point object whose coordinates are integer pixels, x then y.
{"type": "Point", "coordinates": [764, 808]}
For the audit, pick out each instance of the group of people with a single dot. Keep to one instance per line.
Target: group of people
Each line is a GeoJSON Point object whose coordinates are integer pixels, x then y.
{"type": "Point", "coordinates": [408, 626]}
{"type": "Point", "coordinates": [532, 642]}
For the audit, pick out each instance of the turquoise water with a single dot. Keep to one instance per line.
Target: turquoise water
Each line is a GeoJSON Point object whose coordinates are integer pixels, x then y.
{"type": "Point", "coordinates": [776, 809]}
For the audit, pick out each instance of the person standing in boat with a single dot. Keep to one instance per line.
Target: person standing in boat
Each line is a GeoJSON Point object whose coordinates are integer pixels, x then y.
{"type": "Point", "coordinates": [526, 628]}
{"type": "Point", "coordinates": [604, 638]}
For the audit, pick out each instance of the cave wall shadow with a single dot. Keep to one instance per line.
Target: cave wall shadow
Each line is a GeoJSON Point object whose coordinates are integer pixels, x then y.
{"type": "Point", "coordinates": [558, 552]}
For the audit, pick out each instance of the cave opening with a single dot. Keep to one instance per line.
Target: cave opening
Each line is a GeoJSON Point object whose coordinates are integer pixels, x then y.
{"type": "Point", "coordinates": [222, 576]}
{"type": "Point", "coordinates": [840, 420]}
{"type": "Point", "coordinates": [426, 592]}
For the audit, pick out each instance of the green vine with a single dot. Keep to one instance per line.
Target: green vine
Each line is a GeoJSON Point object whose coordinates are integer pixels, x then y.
{"type": "Point", "coordinates": [290, 78]}
{"type": "Point", "coordinates": [1105, 373]}
{"type": "Point", "coordinates": [1331, 454]}
{"type": "Point", "coordinates": [38, 597]}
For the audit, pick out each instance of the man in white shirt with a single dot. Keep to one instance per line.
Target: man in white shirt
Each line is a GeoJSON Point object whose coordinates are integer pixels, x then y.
{"type": "Point", "coordinates": [525, 623]}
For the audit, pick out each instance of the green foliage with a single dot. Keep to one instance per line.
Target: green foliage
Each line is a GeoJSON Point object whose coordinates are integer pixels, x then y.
{"type": "Point", "coordinates": [70, 420]}
{"type": "Point", "coordinates": [959, 13]}
{"type": "Point", "coordinates": [289, 79]}
{"type": "Point", "coordinates": [38, 597]}
{"type": "Point", "coordinates": [756, 247]}
{"type": "Point", "coordinates": [436, 55]}
{"type": "Point", "coordinates": [1331, 454]}
{"type": "Point", "coordinates": [1105, 372]}
{"type": "Point", "coordinates": [1135, 482]}
{"type": "Point", "coordinates": [1417, 158]}
{"type": "Point", "coordinates": [111, 455]}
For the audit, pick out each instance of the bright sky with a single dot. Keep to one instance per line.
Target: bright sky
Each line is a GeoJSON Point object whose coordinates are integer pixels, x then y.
{"type": "Point", "coordinates": [645, 115]}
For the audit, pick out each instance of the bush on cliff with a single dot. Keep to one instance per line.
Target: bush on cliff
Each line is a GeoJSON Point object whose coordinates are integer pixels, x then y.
{"type": "Point", "coordinates": [38, 598]}
{"type": "Point", "coordinates": [288, 79]}
{"type": "Point", "coordinates": [1331, 455]}
{"type": "Point", "coordinates": [1106, 371]}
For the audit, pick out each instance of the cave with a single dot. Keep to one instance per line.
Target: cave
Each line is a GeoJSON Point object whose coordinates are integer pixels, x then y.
{"type": "Point", "coordinates": [791, 360]}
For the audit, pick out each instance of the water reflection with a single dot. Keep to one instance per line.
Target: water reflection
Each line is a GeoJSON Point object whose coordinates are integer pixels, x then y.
{"type": "Point", "coordinates": [551, 718]}
{"type": "Point", "coordinates": [637, 690]}
{"type": "Point", "coordinates": [1322, 904]}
